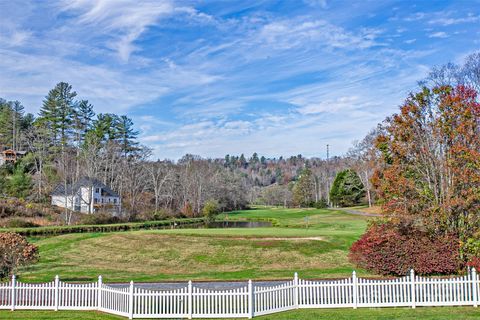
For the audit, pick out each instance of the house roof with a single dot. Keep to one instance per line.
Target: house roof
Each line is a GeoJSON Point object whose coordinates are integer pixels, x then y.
{"type": "Point", "coordinates": [19, 152]}
{"type": "Point", "coordinates": [59, 190]}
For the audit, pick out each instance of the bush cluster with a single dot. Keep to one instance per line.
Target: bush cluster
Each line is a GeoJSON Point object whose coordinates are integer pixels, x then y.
{"type": "Point", "coordinates": [320, 204]}
{"type": "Point", "coordinates": [391, 250]}
{"type": "Point", "coordinates": [15, 251]}
{"type": "Point", "coordinates": [20, 223]}
{"type": "Point", "coordinates": [474, 263]}
{"type": "Point", "coordinates": [101, 218]}
{"type": "Point", "coordinates": [12, 207]}
{"type": "Point", "coordinates": [210, 210]}
{"type": "Point", "coordinates": [48, 231]}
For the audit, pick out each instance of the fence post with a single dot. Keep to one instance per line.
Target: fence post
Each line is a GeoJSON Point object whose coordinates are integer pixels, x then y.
{"type": "Point", "coordinates": [412, 294]}
{"type": "Point", "coordinates": [296, 292]}
{"type": "Point", "coordinates": [57, 283]}
{"type": "Point", "coordinates": [99, 292]}
{"type": "Point", "coordinates": [130, 301]}
{"type": "Point", "coordinates": [251, 294]}
{"type": "Point", "coordinates": [190, 299]}
{"type": "Point", "coordinates": [474, 287]}
{"type": "Point", "coordinates": [355, 289]}
{"type": "Point", "coordinates": [13, 293]}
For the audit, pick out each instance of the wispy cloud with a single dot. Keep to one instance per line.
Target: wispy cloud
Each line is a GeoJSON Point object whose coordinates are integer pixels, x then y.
{"type": "Point", "coordinates": [211, 78]}
{"type": "Point", "coordinates": [128, 19]}
{"type": "Point", "coordinates": [288, 34]}
{"type": "Point", "coordinates": [439, 34]}
{"type": "Point", "coordinates": [444, 21]}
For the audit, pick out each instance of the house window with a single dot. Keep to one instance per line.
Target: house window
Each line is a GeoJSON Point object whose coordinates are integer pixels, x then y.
{"type": "Point", "coordinates": [102, 200]}
{"type": "Point", "coordinates": [95, 200]}
{"type": "Point", "coordinates": [97, 190]}
{"type": "Point", "coordinates": [115, 200]}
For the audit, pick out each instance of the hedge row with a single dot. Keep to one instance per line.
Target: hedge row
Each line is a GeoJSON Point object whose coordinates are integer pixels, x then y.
{"type": "Point", "coordinates": [56, 230]}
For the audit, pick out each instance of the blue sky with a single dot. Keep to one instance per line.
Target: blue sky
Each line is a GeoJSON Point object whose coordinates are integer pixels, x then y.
{"type": "Point", "coordinates": [218, 77]}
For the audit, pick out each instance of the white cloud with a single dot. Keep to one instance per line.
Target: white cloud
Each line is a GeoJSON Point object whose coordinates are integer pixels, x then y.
{"type": "Point", "coordinates": [439, 34]}
{"type": "Point", "coordinates": [125, 20]}
{"type": "Point", "coordinates": [259, 82]}
{"type": "Point", "coordinates": [341, 104]}
{"type": "Point", "coordinates": [128, 19]}
{"type": "Point", "coordinates": [287, 34]}
{"type": "Point", "coordinates": [31, 77]}
{"type": "Point", "coordinates": [415, 17]}
{"type": "Point", "coordinates": [451, 21]}
{"type": "Point", "coordinates": [317, 3]}
{"type": "Point", "coordinates": [16, 38]}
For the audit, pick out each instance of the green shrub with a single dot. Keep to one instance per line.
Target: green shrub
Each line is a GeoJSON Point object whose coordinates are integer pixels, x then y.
{"type": "Point", "coordinates": [20, 223]}
{"type": "Point", "coordinates": [19, 184]}
{"type": "Point", "coordinates": [321, 204]}
{"type": "Point", "coordinates": [101, 218]}
{"type": "Point", "coordinates": [56, 230]}
{"type": "Point", "coordinates": [210, 210]}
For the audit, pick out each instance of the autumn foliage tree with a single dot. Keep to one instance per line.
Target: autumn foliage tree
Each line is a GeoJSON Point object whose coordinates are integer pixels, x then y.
{"type": "Point", "coordinates": [15, 251]}
{"type": "Point", "coordinates": [429, 179]}
{"type": "Point", "coordinates": [431, 171]}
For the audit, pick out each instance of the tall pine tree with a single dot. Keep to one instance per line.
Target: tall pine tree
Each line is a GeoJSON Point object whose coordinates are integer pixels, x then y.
{"type": "Point", "coordinates": [127, 135]}
{"type": "Point", "coordinates": [57, 112]}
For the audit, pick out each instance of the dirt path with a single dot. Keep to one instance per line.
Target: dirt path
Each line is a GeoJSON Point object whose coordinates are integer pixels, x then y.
{"type": "Point", "coordinates": [356, 212]}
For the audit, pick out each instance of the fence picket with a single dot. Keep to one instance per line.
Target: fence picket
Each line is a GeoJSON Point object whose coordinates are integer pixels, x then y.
{"type": "Point", "coordinates": [193, 302]}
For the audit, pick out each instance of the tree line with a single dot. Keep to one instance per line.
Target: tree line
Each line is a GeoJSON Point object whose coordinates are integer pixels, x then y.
{"type": "Point", "coordinates": [68, 140]}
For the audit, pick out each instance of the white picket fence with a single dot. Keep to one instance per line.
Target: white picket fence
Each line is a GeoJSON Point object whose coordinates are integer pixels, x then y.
{"type": "Point", "coordinates": [246, 302]}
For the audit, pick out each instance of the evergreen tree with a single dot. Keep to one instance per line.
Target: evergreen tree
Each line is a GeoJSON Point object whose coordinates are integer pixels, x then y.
{"type": "Point", "coordinates": [5, 124]}
{"type": "Point", "coordinates": [83, 119]}
{"type": "Point", "coordinates": [303, 188]}
{"type": "Point", "coordinates": [106, 126]}
{"type": "Point", "coordinates": [19, 184]}
{"type": "Point", "coordinates": [227, 160]}
{"type": "Point", "coordinates": [347, 189]}
{"type": "Point", "coordinates": [11, 119]}
{"type": "Point", "coordinates": [127, 135]}
{"type": "Point", "coordinates": [242, 161]}
{"type": "Point", "coordinates": [57, 112]}
{"type": "Point", "coordinates": [17, 115]}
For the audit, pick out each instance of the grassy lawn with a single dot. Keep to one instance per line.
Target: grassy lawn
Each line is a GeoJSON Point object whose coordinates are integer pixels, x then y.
{"type": "Point", "coordinates": [439, 313]}
{"type": "Point", "coordinates": [47, 315]}
{"type": "Point", "coordinates": [205, 254]}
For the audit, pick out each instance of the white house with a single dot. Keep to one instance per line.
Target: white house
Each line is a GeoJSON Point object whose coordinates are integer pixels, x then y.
{"type": "Point", "coordinates": [88, 196]}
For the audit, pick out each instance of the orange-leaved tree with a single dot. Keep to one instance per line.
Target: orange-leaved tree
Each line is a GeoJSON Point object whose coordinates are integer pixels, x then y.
{"type": "Point", "coordinates": [431, 161]}
{"type": "Point", "coordinates": [15, 251]}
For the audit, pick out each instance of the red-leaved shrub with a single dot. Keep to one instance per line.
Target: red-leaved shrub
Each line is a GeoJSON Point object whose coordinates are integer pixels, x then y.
{"type": "Point", "coordinates": [15, 251]}
{"type": "Point", "coordinates": [388, 250]}
{"type": "Point", "coordinates": [474, 263]}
